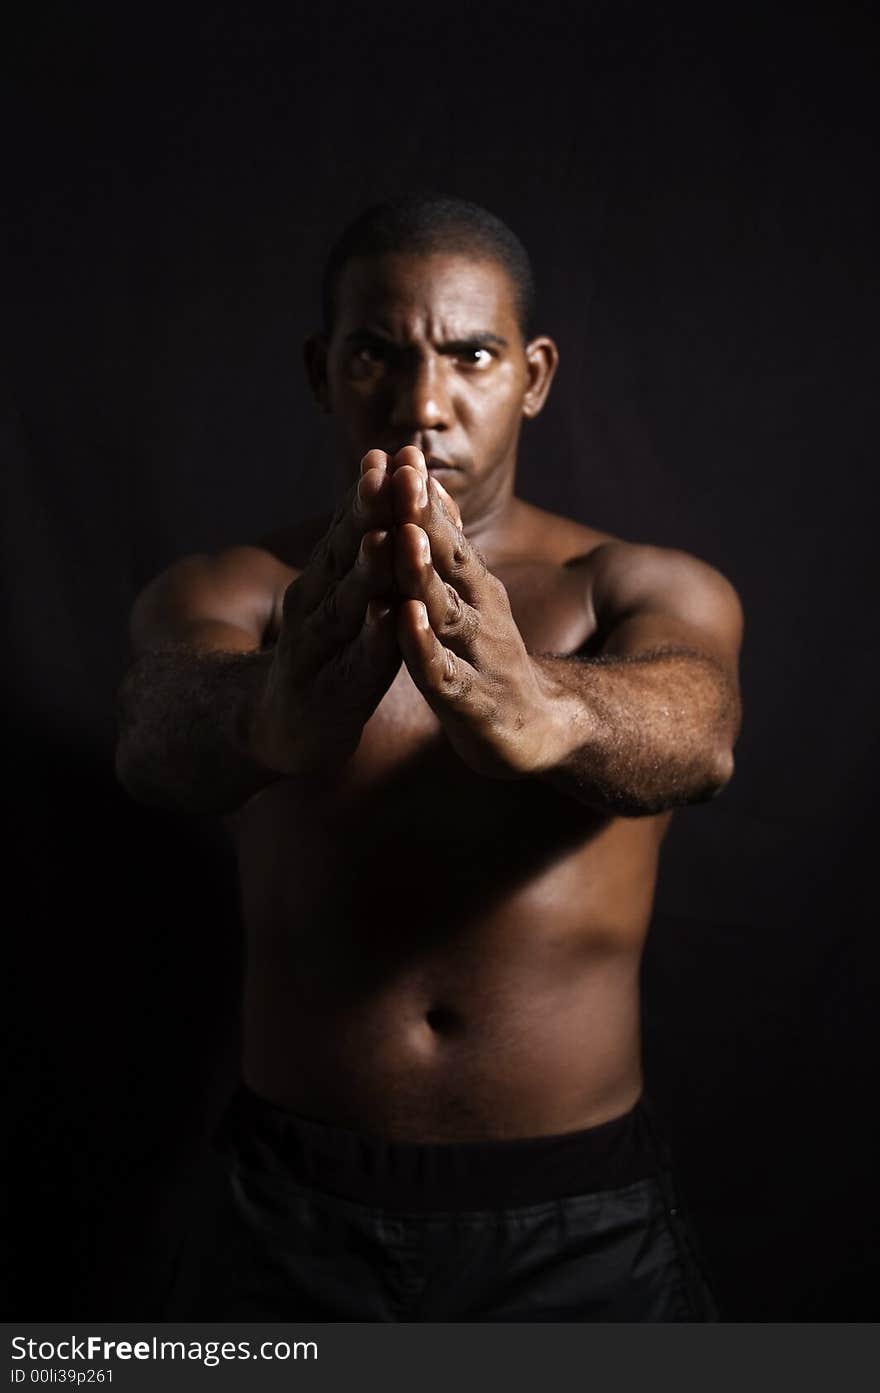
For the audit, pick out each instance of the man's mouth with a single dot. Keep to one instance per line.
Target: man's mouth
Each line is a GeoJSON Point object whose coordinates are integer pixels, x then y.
{"type": "Point", "coordinates": [437, 466]}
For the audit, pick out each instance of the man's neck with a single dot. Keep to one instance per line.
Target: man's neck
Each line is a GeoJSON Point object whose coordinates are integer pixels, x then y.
{"type": "Point", "coordinates": [489, 527]}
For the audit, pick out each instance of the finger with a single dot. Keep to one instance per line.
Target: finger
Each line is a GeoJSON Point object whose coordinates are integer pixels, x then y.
{"type": "Point", "coordinates": [411, 490]}
{"type": "Point", "coordinates": [409, 493]}
{"type": "Point", "coordinates": [375, 459]}
{"type": "Point", "coordinates": [346, 692]}
{"type": "Point", "coordinates": [365, 507]}
{"type": "Point", "coordinates": [456, 559]}
{"type": "Point", "coordinates": [410, 457]}
{"type": "Point", "coordinates": [447, 681]}
{"type": "Point", "coordinates": [450, 506]}
{"type": "Point", "coordinates": [414, 483]}
{"type": "Point", "coordinates": [365, 669]}
{"type": "Point", "coordinates": [455, 623]}
{"type": "Point", "coordinates": [336, 621]}
{"type": "Point", "coordinates": [369, 508]}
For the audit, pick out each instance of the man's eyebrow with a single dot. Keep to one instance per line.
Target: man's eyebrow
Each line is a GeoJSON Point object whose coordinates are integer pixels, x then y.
{"type": "Point", "coordinates": [481, 339]}
{"type": "Point", "coordinates": [358, 335]}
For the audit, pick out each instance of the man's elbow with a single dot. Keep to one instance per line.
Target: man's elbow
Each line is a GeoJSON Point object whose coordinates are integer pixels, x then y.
{"type": "Point", "coordinates": [694, 783]}
{"type": "Point", "coordinates": [716, 776]}
{"type": "Point", "coordinates": [153, 784]}
{"type": "Point", "coordinates": [143, 780]}
{"type": "Point", "coordinates": [132, 774]}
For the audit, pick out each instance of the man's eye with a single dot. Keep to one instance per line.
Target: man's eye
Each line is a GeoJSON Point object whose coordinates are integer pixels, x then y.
{"type": "Point", "coordinates": [367, 354]}
{"type": "Point", "coordinates": [366, 361]}
{"type": "Point", "coordinates": [476, 357]}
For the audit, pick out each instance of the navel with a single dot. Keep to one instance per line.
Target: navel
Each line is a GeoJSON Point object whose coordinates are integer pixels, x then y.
{"type": "Point", "coordinates": [443, 1020]}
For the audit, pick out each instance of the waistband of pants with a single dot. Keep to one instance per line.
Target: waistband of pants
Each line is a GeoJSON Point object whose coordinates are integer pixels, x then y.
{"type": "Point", "coordinates": [442, 1175]}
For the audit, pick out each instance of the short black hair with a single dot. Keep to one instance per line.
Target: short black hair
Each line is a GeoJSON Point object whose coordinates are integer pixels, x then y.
{"type": "Point", "coordinates": [425, 223]}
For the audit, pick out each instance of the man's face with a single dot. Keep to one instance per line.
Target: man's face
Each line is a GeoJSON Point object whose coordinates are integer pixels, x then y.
{"type": "Point", "coordinates": [426, 350]}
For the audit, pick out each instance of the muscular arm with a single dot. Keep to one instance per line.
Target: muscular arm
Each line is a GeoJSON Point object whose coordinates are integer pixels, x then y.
{"type": "Point", "coordinates": [188, 700]}
{"type": "Point", "coordinates": [208, 714]}
{"type": "Point", "coordinates": [650, 723]}
{"type": "Point", "coordinates": [647, 725]}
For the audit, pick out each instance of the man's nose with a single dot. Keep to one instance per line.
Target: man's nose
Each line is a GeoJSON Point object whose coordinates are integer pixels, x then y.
{"type": "Point", "coordinates": [421, 398]}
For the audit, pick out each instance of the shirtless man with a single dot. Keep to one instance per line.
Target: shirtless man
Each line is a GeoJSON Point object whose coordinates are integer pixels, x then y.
{"type": "Point", "coordinates": [449, 729]}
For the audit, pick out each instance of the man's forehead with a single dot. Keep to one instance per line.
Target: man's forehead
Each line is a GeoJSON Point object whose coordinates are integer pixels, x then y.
{"type": "Point", "coordinates": [453, 288]}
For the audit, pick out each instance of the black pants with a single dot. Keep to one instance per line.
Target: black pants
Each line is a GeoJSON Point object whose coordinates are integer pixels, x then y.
{"type": "Point", "coordinates": [298, 1221]}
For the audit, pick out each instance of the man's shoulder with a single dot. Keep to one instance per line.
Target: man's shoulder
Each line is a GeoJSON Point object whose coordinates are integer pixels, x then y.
{"type": "Point", "coordinates": [542, 536]}
{"type": "Point", "coordinates": [612, 572]}
{"type": "Point", "coordinates": [549, 537]}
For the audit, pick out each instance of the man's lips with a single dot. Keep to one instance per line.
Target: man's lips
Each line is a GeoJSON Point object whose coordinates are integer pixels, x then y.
{"type": "Point", "coordinates": [435, 463]}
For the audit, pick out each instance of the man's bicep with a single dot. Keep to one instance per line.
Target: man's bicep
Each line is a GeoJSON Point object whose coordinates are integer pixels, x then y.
{"type": "Point", "coordinates": [647, 599]}
{"type": "Point", "coordinates": [222, 603]}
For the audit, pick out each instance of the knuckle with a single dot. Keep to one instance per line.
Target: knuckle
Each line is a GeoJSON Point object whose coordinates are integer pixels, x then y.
{"type": "Point", "coordinates": [460, 556]}
{"type": "Point", "coordinates": [454, 609]}
{"type": "Point", "coordinates": [329, 608]}
{"type": "Point", "coordinates": [373, 553]}
{"type": "Point", "coordinates": [449, 674]}
{"type": "Point", "coordinates": [440, 672]}
{"type": "Point", "coordinates": [460, 620]}
{"type": "Point", "coordinates": [322, 555]}
{"type": "Point", "coordinates": [454, 680]}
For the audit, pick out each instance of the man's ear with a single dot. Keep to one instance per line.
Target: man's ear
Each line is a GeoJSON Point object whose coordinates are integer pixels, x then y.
{"type": "Point", "coordinates": [315, 359]}
{"type": "Point", "coordinates": [542, 358]}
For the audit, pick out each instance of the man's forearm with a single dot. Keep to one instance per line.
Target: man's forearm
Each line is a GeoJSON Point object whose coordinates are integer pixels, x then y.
{"type": "Point", "coordinates": [184, 731]}
{"type": "Point", "coordinates": [637, 735]}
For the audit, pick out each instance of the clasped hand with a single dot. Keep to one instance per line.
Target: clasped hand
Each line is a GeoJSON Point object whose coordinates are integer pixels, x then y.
{"type": "Point", "coordinates": [396, 577]}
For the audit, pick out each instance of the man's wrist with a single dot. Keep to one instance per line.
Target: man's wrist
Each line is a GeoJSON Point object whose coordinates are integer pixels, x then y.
{"type": "Point", "coordinates": [566, 722]}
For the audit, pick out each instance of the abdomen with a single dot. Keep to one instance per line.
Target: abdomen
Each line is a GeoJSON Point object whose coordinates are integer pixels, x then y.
{"type": "Point", "coordinates": [440, 956]}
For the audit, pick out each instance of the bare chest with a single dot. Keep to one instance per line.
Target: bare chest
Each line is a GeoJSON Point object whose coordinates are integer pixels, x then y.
{"type": "Point", "coordinates": [406, 799]}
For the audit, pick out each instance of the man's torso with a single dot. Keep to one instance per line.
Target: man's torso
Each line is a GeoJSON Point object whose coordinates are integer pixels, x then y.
{"type": "Point", "coordinates": [434, 955]}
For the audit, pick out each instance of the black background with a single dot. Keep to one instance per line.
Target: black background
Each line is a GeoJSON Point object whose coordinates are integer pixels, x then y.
{"type": "Point", "coordinates": [695, 191]}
